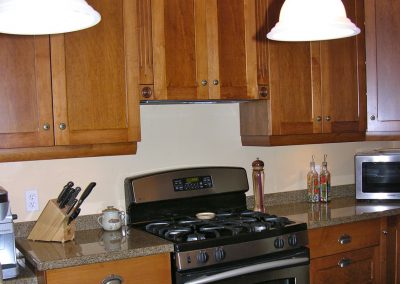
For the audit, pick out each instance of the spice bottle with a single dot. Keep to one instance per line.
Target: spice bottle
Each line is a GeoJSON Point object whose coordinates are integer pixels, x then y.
{"type": "Point", "coordinates": [325, 182]}
{"type": "Point", "coordinates": [258, 185]}
{"type": "Point", "coordinates": [312, 183]}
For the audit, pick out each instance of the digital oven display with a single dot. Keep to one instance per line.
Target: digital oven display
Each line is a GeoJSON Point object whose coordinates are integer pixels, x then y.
{"type": "Point", "coordinates": [192, 183]}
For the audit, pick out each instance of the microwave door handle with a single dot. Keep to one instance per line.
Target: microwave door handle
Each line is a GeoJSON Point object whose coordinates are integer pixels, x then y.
{"type": "Point", "coordinates": [248, 269]}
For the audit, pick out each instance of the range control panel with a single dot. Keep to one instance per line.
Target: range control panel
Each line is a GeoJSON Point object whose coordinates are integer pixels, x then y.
{"type": "Point", "coordinates": [192, 183]}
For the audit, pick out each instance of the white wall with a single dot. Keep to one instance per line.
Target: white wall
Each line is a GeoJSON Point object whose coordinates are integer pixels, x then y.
{"type": "Point", "coordinates": [176, 136]}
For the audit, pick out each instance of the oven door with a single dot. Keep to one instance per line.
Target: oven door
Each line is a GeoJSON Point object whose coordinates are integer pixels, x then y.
{"type": "Point", "coordinates": [289, 267]}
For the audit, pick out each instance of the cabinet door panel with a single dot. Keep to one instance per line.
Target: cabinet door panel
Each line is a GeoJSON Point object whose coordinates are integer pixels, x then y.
{"type": "Point", "coordinates": [359, 266]}
{"type": "Point", "coordinates": [343, 79]}
{"type": "Point", "coordinates": [179, 49]}
{"type": "Point", "coordinates": [236, 49]}
{"type": "Point", "coordinates": [153, 269]}
{"type": "Point", "coordinates": [94, 94]}
{"type": "Point", "coordinates": [25, 92]}
{"type": "Point", "coordinates": [383, 65]}
{"type": "Point", "coordinates": [290, 82]}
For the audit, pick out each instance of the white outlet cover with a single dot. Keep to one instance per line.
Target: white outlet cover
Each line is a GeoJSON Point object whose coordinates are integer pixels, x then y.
{"type": "Point", "coordinates": [31, 200]}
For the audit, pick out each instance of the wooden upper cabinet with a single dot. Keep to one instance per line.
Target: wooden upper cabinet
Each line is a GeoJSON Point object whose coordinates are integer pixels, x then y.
{"type": "Point", "coordinates": [94, 98]}
{"type": "Point", "coordinates": [197, 49]}
{"type": "Point", "coordinates": [316, 90]}
{"type": "Point", "coordinates": [383, 66]}
{"type": "Point", "coordinates": [343, 86]}
{"type": "Point", "coordinates": [73, 94]}
{"type": "Point", "coordinates": [25, 92]}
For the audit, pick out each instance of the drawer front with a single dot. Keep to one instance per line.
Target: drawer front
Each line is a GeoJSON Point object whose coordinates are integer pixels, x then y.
{"type": "Point", "coordinates": [345, 237]}
{"type": "Point", "coordinates": [153, 269]}
{"type": "Point", "coordinates": [359, 266]}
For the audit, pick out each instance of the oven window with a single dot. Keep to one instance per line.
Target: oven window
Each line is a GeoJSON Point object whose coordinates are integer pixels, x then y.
{"type": "Point", "coordinates": [381, 177]}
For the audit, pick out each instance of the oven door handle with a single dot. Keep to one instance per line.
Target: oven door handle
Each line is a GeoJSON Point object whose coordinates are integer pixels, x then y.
{"type": "Point", "coordinates": [248, 269]}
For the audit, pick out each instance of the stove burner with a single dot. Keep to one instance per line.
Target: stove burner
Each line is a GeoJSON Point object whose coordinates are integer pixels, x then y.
{"type": "Point", "coordinates": [225, 224]}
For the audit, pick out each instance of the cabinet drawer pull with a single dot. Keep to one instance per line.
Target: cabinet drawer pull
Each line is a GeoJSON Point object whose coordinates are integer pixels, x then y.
{"type": "Point", "coordinates": [328, 118]}
{"type": "Point", "coordinates": [344, 262]}
{"type": "Point", "coordinates": [204, 82]}
{"type": "Point", "coordinates": [344, 239]}
{"type": "Point", "coordinates": [113, 279]}
{"type": "Point", "coordinates": [215, 82]}
{"type": "Point", "coordinates": [319, 118]}
{"type": "Point", "coordinates": [46, 126]}
{"type": "Point", "coordinates": [62, 126]}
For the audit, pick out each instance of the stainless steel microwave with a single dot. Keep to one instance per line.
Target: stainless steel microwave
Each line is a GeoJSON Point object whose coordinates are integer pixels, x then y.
{"type": "Point", "coordinates": [377, 174]}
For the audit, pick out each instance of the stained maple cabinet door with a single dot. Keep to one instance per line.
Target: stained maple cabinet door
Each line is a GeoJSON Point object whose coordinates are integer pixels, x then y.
{"type": "Point", "coordinates": [94, 95]}
{"type": "Point", "coordinates": [316, 89]}
{"type": "Point", "coordinates": [26, 118]}
{"type": "Point", "coordinates": [342, 77]}
{"type": "Point", "coordinates": [383, 66]}
{"type": "Point", "coordinates": [197, 49]}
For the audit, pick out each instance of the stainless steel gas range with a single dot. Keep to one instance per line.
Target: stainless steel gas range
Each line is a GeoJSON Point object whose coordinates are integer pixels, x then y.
{"type": "Point", "coordinates": [216, 239]}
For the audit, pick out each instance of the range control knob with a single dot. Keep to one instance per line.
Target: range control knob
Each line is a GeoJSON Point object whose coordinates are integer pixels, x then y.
{"type": "Point", "coordinates": [219, 254]}
{"type": "Point", "coordinates": [202, 257]}
{"type": "Point", "coordinates": [279, 243]}
{"type": "Point", "coordinates": [292, 240]}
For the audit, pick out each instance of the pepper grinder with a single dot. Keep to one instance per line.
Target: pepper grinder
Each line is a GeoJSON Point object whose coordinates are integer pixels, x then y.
{"type": "Point", "coordinates": [258, 185]}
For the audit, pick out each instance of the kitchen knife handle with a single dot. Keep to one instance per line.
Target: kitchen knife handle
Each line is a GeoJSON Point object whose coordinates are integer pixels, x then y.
{"type": "Point", "coordinates": [87, 191]}
{"type": "Point", "coordinates": [72, 206]}
{"type": "Point", "coordinates": [66, 187]}
{"type": "Point", "coordinates": [74, 215]}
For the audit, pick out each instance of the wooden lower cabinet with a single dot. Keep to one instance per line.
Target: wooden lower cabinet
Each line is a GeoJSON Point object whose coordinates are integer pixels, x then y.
{"type": "Point", "coordinates": [349, 253]}
{"type": "Point", "coordinates": [359, 266]}
{"type": "Point", "coordinates": [155, 269]}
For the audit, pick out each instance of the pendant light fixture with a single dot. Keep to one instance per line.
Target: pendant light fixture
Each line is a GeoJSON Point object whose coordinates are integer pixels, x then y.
{"type": "Point", "coordinates": [37, 17]}
{"type": "Point", "coordinates": [310, 20]}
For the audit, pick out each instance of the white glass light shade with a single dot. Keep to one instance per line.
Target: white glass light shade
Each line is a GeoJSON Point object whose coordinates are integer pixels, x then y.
{"type": "Point", "coordinates": [37, 17]}
{"type": "Point", "coordinates": [309, 20]}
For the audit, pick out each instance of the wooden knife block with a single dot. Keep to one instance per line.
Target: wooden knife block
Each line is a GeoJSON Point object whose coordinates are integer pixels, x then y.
{"type": "Point", "coordinates": [51, 225]}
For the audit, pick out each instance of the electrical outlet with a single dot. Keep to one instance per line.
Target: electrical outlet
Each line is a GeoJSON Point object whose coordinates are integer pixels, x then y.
{"type": "Point", "coordinates": [31, 200]}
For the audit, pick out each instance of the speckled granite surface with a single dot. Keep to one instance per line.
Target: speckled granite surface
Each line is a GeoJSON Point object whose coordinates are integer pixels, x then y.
{"type": "Point", "coordinates": [93, 245]}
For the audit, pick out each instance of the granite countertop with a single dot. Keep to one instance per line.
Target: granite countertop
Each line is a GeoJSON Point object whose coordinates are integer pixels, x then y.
{"type": "Point", "coordinates": [92, 245]}
{"type": "Point", "coordinates": [338, 211]}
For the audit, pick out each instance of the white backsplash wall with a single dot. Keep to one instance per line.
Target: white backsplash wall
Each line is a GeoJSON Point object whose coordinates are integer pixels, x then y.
{"type": "Point", "coordinates": [176, 136]}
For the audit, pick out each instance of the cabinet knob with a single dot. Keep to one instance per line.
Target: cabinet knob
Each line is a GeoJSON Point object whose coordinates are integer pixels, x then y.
{"type": "Point", "coordinates": [372, 117]}
{"type": "Point", "coordinates": [328, 118]}
{"type": "Point", "coordinates": [147, 92]}
{"type": "Point", "coordinates": [385, 232]}
{"type": "Point", "coordinates": [46, 126]}
{"type": "Point", "coordinates": [112, 279]}
{"type": "Point", "coordinates": [62, 126]}
{"type": "Point", "coordinates": [319, 118]}
{"type": "Point", "coordinates": [215, 82]}
{"type": "Point", "coordinates": [263, 92]}
{"type": "Point", "coordinates": [204, 82]}
{"type": "Point", "coordinates": [344, 239]}
{"type": "Point", "coordinates": [344, 262]}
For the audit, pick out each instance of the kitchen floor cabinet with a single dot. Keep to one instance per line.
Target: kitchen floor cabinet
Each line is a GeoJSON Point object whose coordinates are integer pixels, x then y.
{"type": "Point", "coordinates": [153, 269]}
{"type": "Point", "coordinates": [197, 50]}
{"type": "Point", "coordinates": [349, 253]}
{"type": "Point", "coordinates": [316, 89]}
{"type": "Point", "coordinates": [383, 66]}
{"type": "Point", "coordinates": [73, 94]}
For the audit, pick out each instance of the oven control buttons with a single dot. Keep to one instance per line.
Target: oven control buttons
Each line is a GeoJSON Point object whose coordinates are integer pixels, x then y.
{"type": "Point", "coordinates": [202, 257]}
{"type": "Point", "coordinates": [279, 243]}
{"type": "Point", "coordinates": [219, 254]}
{"type": "Point", "coordinates": [292, 240]}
